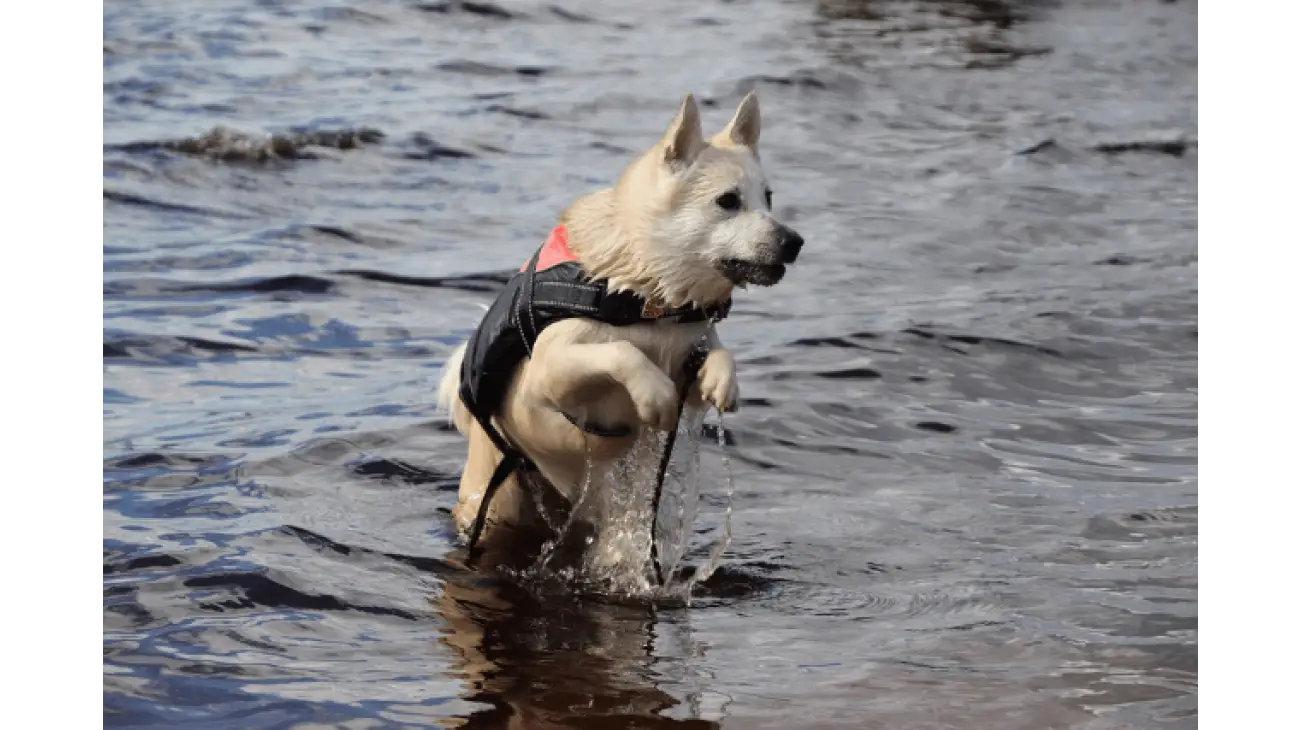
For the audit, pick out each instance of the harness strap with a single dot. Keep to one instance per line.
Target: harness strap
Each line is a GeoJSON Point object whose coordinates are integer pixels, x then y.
{"type": "Point", "coordinates": [594, 300]}
{"type": "Point", "coordinates": [510, 461]}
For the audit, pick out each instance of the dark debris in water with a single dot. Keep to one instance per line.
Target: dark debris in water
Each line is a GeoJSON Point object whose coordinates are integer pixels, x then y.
{"type": "Point", "coordinates": [1174, 147]}
{"type": "Point", "coordinates": [229, 145]}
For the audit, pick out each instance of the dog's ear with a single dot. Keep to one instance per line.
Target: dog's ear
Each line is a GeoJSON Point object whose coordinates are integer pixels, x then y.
{"type": "Point", "coordinates": [684, 138]}
{"type": "Point", "coordinates": [744, 127]}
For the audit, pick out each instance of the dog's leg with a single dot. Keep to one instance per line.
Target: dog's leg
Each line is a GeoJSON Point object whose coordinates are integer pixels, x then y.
{"type": "Point", "coordinates": [571, 375]}
{"type": "Point", "coordinates": [480, 461]}
{"type": "Point", "coordinates": [717, 384]}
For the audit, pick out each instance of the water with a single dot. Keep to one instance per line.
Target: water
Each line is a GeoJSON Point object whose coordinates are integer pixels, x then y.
{"type": "Point", "coordinates": [966, 456]}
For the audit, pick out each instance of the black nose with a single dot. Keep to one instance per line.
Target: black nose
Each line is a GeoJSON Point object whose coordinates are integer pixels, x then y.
{"type": "Point", "coordinates": [789, 243]}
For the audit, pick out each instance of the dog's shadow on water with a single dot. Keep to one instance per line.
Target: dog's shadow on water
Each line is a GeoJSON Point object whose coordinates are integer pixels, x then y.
{"type": "Point", "coordinates": [544, 660]}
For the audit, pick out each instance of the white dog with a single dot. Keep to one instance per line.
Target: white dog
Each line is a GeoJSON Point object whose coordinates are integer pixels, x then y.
{"type": "Point", "coordinates": [588, 348]}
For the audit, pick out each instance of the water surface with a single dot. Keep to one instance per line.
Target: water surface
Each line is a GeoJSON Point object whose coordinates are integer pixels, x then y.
{"type": "Point", "coordinates": [965, 462]}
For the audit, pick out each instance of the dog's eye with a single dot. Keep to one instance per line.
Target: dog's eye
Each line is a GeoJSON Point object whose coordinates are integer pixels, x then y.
{"type": "Point", "coordinates": [729, 201]}
{"type": "Point", "coordinates": [767, 195]}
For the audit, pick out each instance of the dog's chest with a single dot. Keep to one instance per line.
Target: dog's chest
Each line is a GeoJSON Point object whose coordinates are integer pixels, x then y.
{"type": "Point", "coordinates": [665, 344]}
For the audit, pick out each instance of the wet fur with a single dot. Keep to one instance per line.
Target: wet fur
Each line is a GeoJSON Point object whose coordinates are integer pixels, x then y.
{"type": "Point", "coordinates": [661, 233]}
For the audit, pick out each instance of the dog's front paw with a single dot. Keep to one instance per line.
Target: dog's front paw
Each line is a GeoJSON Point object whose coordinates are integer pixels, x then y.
{"type": "Point", "coordinates": [718, 383]}
{"type": "Point", "coordinates": [655, 398]}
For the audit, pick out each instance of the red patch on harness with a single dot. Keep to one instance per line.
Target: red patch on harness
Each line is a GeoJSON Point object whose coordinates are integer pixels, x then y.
{"type": "Point", "coordinates": [555, 251]}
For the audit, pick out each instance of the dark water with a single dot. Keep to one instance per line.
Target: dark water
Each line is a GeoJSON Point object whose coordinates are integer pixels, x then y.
{"type": "Point", "coordinates": [966, 460]}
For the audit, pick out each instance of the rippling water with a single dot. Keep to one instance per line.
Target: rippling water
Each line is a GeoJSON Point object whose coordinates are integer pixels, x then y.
{"type": "Point", "coordinates": [966, 458]}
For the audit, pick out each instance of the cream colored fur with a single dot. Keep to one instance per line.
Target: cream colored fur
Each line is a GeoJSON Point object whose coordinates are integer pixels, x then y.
{"type": "Point", "coordinates": [661, 233]}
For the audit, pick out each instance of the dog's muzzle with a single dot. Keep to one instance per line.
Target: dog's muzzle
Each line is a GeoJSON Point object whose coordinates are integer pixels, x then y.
{"type": "Point", "coordinates": [787, 242]}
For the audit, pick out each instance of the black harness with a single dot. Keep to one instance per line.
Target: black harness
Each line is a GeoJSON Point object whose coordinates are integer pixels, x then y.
{"type": "Point", "coordinates": [532, 300]}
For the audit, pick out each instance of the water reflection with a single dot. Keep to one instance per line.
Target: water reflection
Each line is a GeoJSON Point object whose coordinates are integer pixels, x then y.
{"type": "Point", "coordinates": [551, 661]}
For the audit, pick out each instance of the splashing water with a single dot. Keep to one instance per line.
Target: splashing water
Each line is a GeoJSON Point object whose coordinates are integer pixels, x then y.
{"type": "Point", "coordinates": [618, 499]}
{"type": "Point", "coordinates": [579, 503]}
{"type": "Point", "coordinates": [680, 498]}
{"type": "Point", "coordinates": [619, 559]}
{"type": "Point", "coordinates": [724, 540]}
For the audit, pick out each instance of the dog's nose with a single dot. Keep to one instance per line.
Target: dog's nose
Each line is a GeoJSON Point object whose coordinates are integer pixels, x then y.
{"type": "Point", "coordinates": [789, 242]}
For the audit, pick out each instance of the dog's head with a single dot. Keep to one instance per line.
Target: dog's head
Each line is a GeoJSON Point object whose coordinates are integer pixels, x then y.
{"type": "Point", "coordinates": [701, 209]}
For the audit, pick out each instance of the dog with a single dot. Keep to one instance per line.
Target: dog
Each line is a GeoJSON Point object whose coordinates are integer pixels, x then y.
{"type": "Point", "coordinates": [687, 223]}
